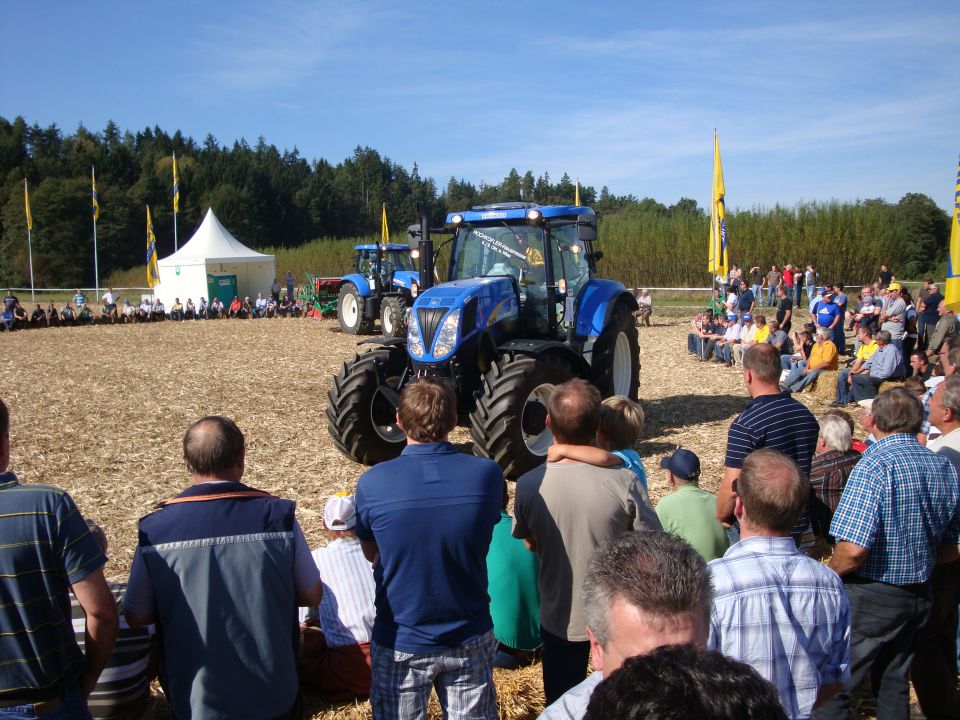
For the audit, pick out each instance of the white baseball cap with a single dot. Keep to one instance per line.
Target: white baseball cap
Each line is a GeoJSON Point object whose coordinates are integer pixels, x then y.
{"type": "Point", "coordinates": [340, 512]}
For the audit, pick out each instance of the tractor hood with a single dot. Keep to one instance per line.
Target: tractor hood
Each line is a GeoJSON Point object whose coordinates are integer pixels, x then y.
{"type": "Point", "coordinates": [405, 279]}
{"type": "Point", "coordinates": [446, 315]}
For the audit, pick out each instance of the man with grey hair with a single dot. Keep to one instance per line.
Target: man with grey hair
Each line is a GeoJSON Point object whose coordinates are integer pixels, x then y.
{"type": "Point", "coordinates": [228, 643]}
{"type": "Point", "coordinates": [774, 608]}
{"type": "Point", "coordinates": [642, 591]}
{"type": "Point", "coordinates": [823, 356]}
{"type": "Point", "coordinates": [833, 461]}
{"type": "Point", "coordinates": [898, 517]}
{"type": "Point", "coordinates": [885, 364]}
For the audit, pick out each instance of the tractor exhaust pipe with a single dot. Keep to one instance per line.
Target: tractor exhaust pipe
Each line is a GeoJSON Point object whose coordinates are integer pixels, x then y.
{"type": "Point", "coordinates": [426, 252]}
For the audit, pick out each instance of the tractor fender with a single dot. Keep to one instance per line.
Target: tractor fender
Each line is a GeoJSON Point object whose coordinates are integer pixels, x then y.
{"type": "Point", "coordinates": [540, 348]}
{"type": "Point", "coordinates": [595, 304]}
{"type": "Point", "coordinates": [360, 282]}
{"type": "Point", "coordinates": [405, 278]}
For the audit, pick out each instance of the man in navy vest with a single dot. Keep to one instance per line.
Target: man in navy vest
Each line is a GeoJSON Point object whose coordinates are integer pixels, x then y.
{"type": "Point", "coordinates": [221, 569]}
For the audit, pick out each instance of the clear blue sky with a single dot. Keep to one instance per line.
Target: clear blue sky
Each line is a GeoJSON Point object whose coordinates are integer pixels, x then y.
{"type": "Point", "coordinates": [812, 100]}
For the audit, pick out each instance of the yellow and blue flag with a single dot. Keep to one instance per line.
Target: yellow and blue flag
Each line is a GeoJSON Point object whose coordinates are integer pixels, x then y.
{"type": "Point", "coordinates": [176, 186]}
{"type": "Point", "coordinates": [93, 185]}
{"type": "Point", "coordinates": [26, 205]}
{"type": "Point", "coordinates": [153, 272]}
{"type": "Point", "coordinates": [718, 261]}
{"type": "Point", "coordinates": [576, 194]}
{"type": "Point", "coordinates": [952, 294]}
{"type": "Point", "coordinates": [384, 231]}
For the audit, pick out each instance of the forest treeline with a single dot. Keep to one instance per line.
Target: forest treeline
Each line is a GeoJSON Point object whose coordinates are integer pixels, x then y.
{"type": "Point", "coordinates": [278, 199]}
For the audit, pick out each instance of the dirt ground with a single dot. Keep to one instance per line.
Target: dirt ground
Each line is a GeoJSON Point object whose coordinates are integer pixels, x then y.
{"type": "Point", "coordinates": [101, 412]}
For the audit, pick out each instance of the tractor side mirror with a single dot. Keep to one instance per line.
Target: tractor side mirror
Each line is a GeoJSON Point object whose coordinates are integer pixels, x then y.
{"type": "Point", "coordinates": [587, 228]}
{"type": "Point", "coordinates": [413, 235]}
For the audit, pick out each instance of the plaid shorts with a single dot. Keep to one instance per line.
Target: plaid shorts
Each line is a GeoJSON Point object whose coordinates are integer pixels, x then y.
{"type": "Point", "coordinates": [462, 676]}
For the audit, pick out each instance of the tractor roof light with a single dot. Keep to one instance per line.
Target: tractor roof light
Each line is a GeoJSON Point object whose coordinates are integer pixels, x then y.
{"type": "Point", "coordinates": [534, 215]}
{"type": "Point", "coordinates": [414, 254]}
{"type": "Point", "coordinates": [562, 286]}
{"type": "Point", "coordinates": [457, 219]}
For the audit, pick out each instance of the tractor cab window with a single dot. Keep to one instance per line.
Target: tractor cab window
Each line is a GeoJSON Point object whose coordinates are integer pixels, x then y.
{"type": "Point", "coordinates": [569, 258]}
{"type": "Point", "coordinates": [366, 263]}
{"type": "Point", "coordinates": [400, 260]}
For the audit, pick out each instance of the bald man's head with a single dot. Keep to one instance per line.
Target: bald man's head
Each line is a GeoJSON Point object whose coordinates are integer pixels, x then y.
{"type": "Point", "coordinates": [213, 447]}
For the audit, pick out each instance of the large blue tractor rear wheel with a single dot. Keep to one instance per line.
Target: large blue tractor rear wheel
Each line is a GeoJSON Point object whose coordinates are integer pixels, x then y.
{"type": "Point", "coordinates": [509, 422]}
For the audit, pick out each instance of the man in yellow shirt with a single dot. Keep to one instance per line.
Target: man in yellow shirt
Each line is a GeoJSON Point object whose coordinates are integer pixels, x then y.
{"type": "Point", "coordinates": [823, 356]}
{"type": "Point", "coordinates": [868, 346]}
{"type": "Point", "coordinates": [763, 330]}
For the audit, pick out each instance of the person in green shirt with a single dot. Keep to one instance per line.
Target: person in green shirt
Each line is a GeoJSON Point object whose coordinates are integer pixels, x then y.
{"type": "Point", "coordinates": [512, 573]}
{"type": "Point", "coordinates": [689, 511]}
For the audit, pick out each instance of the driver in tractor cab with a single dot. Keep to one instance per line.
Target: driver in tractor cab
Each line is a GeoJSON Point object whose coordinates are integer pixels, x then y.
{"type": "Point", "coordinates": [532, 280]}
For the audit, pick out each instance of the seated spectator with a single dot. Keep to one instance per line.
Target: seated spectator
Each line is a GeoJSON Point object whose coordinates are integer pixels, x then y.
{"type": "Point", "coordinates": [236, 307]}
{"type": "Point", "coordinates": [20, 317]}
{"type": "Point", "coordinates": [285, 306]}
{"type": "Point", "coordinates": [885, 364]}
{"type": "Point", "coordinates": [158, 312]}
{"type": "Point", "coordinates": [260, 307]}
{"type": "Point", "coordinates": [123, 690]}
{"type": "Point", "coordinates": [85, 315]}
{"type": "Point", "coordinates": [689, 511]}
{"type": "Point", "coordinates": [919, 365]}
{"type": "Point", "coordinates": [704, 327]}
{"type": "Point", "coordinates": [676, 682]}
{"type": "Point", "coordinates": [823, 356]}
{"type": "Point", "coordinates": [176, 311]}
{"type": "Point", "coordinates": [129, 311]}
{"type": "Point", "coordinates": [216, 309]}
{"type": "Point", "coordinates": [271, 310]}
{"type": "Point", "coordinates": [780, 339]}
{"type": "Point", "coordinates": [763, 329]}
{"type": "Point", "coordinates": [145, 311]}
{"type": "Point", "coordinates": [723, 346]}
{"type": "Point", "coordinates": [748, 338]}
{"type": "Point", "coordinates": [833, 460]}
{"type": "Point", "coordinates": [67, 314]}
{"type": "Point", "coordinates": [247, 308]}
{"type": "Point", "coordinates": [645, 302]}
{"type": "Point", "coordinates": [53, 316]}
{"type": "Point", "coordinates": [39, 317]}
{"type": "Point", "coordinates": [945, 329]}
{"type": "Point", "coordinates": [203, 309]}
{"type": "Point", "coordinates": [298, 308]}
{"type": "Point", "coordinates": [190, 311]}
{"type": "Point", "coordinates": [867, 346]}
{"type": "Point", "coordinates": [6, 318]}
{"type": "Point", "coordinates": [512, 573]}
{"type": "Point", "coordinates": [335, 661]}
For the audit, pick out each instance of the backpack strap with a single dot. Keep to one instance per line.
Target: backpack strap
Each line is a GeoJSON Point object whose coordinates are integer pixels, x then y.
{"type": "Point", "coordinates": [217, 496]}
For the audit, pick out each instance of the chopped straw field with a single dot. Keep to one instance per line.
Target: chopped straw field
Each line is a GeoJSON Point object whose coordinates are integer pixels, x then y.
{"type": "Point", "coordinates": [101, 412]}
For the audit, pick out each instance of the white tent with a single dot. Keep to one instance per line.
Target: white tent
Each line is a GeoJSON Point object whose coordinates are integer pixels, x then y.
{"type": "Point", "coordinates": [213, 262]}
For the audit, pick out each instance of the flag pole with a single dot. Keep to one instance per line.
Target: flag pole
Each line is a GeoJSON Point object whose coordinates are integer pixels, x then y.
{"type": "Point", "coordinates": [174, 232]}
{"type": "Point", "coordinates": [176, 200]}
{"type": "Point", "coordinates": [96, 211]}
{"type": "Point", "coordinates": [26, 199]}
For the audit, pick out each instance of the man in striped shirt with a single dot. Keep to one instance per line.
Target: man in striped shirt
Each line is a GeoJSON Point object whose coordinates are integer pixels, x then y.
{"type": "Point", "coordinates": [45, 548]}
{"type": "Point", "coordinates": [772, 419]}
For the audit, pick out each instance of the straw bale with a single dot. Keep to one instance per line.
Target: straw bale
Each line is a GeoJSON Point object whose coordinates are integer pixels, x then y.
{"type": "Point", "coordinates": [824, 388]}
{"type": "Point", "coordinates": [101, 411]}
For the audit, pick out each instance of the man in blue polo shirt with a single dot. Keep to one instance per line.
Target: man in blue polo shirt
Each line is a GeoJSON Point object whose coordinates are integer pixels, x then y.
{"type": "Point", "coordinates": [425, 520]}
{"type": "Point", "coordinates": [899, 515]}
{"type": "Point", "coordinates": [827, 314]}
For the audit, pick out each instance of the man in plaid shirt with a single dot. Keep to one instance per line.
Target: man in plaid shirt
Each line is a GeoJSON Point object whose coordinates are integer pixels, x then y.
{"type": "Point", "coordinates": [899, 516]}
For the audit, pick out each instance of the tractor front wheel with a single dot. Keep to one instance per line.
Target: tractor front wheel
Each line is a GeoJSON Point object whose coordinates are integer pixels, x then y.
{"type": "Point", "coordinates": [509, 424]}
{"type": "Point", "coordinates": [616, 356]}
{"type": "Point", "coordinates": [362, 406]}
{"type": "Point", "coordinates": [350, 310]}
{"type": "Point", "coordinates": [392, 310]}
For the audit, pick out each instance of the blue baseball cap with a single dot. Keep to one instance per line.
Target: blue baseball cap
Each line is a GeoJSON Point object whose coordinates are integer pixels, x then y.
{"type": "Point", "coordinates": [747, 316]}
{"type": "Point", "coordinates": [682, 464]}
{"type": "Point", "coordinates": [731, 317]}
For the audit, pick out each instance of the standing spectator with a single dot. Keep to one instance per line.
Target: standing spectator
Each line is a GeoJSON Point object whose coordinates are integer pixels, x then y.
{"type": "Point", "coordinates": [10, 300]}
{"type": "Point", "coordinates": [774, 280]}
{"type": "Point", "coordinates": [839, 337]}
{"type": "Point", "coordinates": [756, 283]}
{"type": "Point", "coordinates": [512, 573]}
{"type": "Point", "coordinates": [124, 687]}
{"type": "Point", "coordinates": [823, 356]}
{"type": "Point", "coordinates": [810, 281]}
{"type": "Point", "coordinates": [885, 364]}
{"type": "Point", "coordinates": [689, 511]}
{"type": "Point", "coordinates": [828, 316]}
{"type": "Point", "coordinates": [564, 510]}
{"type": "Point", "coordinates": [797, 283]}
{"type": "Point", "coordinates": [788, 279]}
{"type": "Point", "coordinates": [832, 464]}
{"type": "Point", "coordinates": [868, 346]}
{"type": "Point", "coordinates": [335, 660]}
{"type": "Point", "coordinates": [677, 681]}
{"type": "Point", "coordinates": [641, 591]}
{"type": "Point", "coordinates": [228, 645]}
{"type": "Point", "coordinates": [425, 520]}
{"type": "Point", "coordinates": [785, 311]}
{"type": "Point", "coordinates": [885, 277]}
{"type": "Point", "coordinates": [934, 669]}
{"type": "Point", "coordinates": [772, 419]}
{"type": "Point", "coordinates": [290, 280]}
{"type": "Point", "coordinates": [274, 290]}
{"type": "Point", "coordinates": [893, 319]}
{"type": "Point", "coordinates": [900, 507]}
{"type": "Point", "coordinates": [46, 548]}
{"type": "Point", "coordinates": [774, 608]}
{"type": "Point", "coordinates": [929, 314]}
{"type": "Point", "coordinates": [746, 302]}
{"type": "Point", "coordinates": [80, 300]}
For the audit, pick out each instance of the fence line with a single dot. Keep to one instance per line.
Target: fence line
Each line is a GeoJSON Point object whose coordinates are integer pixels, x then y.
{"type": "Point", "coordinates": [71, 289]}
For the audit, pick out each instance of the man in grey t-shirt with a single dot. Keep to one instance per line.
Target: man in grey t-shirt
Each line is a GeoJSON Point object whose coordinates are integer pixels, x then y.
{"type": "Point", "coordinates": [894, 316]}
{"type": "Point", "coordinates": [563, 511]}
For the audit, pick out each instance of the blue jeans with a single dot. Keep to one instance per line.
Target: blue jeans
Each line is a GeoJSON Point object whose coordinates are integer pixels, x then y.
{"type": "Point", "coordinates": [811, 293]}
{"type": "Point", "coordinates": [564, 664]}
{"type": "Point", "coordinates": [885, 620]}
{"type": "Point", "coordinates": [844, 391]}
{"type": "Point", "coordinates": [771, 296]}
{"type": "Point", "coordinates": [757, 293]}
{"type": "Point", "coordinates": [723, 352]}
{"type": "Point", "coordinates": [462, 677]}
{"type": "Point", "coordinates": [72, 707]}
{"type": "Point", "coordinates": [796, 380]}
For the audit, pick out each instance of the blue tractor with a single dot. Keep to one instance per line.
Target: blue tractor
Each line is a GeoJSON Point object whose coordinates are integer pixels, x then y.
{"type": "Point", "coordinates": [521, 313]}
{"type": "Point", "coordinates": [382, 285]}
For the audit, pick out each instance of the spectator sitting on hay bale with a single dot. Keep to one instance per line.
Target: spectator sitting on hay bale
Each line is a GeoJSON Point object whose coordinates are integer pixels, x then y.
{"type": "Point", "coordinates": [144, 310]}
{"type": "Point", "coordinates": [159, 311]}
{"type": "Point", "coordinates": [823, 356]}
{"type": "Point", "coordinates": [236, 307]}
{"type": "Point", "coordinates": [39, 317]}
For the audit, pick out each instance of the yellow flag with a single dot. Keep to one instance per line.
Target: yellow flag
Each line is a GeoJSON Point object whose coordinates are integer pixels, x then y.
{"type": "Point", "coordinates": [153, 272]}
{"type": "Point", "coordinates": [93, 199]}
{"type": "Point", "coordinates": [952, 294]}
{"type": "Point", "coordinates": [576, 194]}
{"type": "Point", "coordinates": [26, 205]}
{"type": "Point", "coordinates": [384, 231]}
{"type": "Point", "coordinates": [176, 186]}
{"type": "Point", "coordinates": [718, 223]}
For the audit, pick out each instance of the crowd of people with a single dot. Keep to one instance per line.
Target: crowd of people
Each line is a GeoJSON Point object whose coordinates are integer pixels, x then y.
{"type": "Point", "coordinates": [113, 309]}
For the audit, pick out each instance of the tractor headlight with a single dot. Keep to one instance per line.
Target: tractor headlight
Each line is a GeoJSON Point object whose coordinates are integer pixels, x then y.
{"type": "Point", "coordinates": [414, 289]}
{"type": "Point", "coordinates": [534, 215]}
{"type": "Point", "coordinates": [447, 337]}
{"type": "Point", "coordinates": [457, 219]}
{"type": "Point", "coordinates": [414, 343]}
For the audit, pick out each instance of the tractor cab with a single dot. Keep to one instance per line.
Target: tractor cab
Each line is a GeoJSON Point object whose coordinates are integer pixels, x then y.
{"type": "Point", "coordinates": [383, 282]}
{"type": "Point", "coordinates": [379, 264]}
